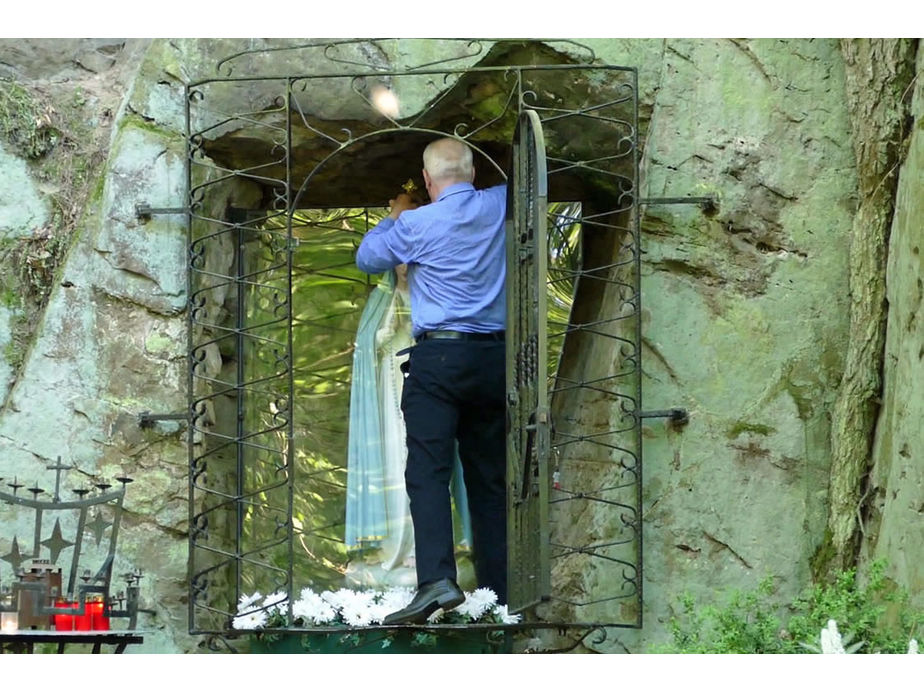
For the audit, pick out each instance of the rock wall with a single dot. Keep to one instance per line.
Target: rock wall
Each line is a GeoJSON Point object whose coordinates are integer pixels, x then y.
{"type": "Point", "coordinates": [878, 78]}
{"type": "Point", "coordinates": [746, 312]}
{"type": "Point", "coordinates": [109, 337]}
{"type": "Point", "coordinates": [892, 518]}
{"type": "Point", "coordinates": [744, 317]}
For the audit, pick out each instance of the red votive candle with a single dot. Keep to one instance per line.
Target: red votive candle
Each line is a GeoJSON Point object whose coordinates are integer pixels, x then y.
{"type": "Point", "coordinates": [98, 621]}
{"type": "Point", "coordinates": [64, 621]}
{"type": "Point", "coordinates": [83, 621]}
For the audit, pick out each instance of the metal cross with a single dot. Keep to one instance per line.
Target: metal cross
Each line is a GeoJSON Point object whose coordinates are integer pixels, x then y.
{"type": "Point", "coordinates": [58, 467]}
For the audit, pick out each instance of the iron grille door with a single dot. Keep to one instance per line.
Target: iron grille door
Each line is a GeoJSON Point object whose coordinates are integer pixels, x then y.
{"type": "Point", "coordinates": [240, 381]}
{"type": "Point", "coordinates": [527, 399]}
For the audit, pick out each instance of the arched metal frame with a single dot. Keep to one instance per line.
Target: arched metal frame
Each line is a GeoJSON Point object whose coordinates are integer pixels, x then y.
{"type": "Point", "coordinates": [593, 503]}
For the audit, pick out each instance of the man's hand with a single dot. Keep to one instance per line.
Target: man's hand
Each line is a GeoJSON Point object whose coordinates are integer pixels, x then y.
{"type": "Point", "coordinates": [400, 204]}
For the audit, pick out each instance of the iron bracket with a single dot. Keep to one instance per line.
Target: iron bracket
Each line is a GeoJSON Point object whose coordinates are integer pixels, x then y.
{"type": "Point", "coordinates": [677, 416]}
{"type": "Point", "coordinates": [144, 211]}
{"type": "Point", "coordinates": [709, 203]}
{"type": "Point", "coordinates": [146, 419]}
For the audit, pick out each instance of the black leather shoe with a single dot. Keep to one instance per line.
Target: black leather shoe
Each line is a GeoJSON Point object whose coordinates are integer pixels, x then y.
{"type": "Point", "coordinates": [439, 594]}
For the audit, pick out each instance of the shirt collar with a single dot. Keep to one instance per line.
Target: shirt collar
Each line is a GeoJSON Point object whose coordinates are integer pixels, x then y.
{"type": "Point", "coordinates": [455, 188]}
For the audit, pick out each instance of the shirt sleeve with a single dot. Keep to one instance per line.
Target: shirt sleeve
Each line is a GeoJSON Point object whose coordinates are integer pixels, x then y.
{"type": "Point", "coordinates": [386, 245]}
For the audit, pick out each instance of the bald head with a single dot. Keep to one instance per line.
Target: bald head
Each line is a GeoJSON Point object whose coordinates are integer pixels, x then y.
{"type": "Point", "coordinates": [447, 161]}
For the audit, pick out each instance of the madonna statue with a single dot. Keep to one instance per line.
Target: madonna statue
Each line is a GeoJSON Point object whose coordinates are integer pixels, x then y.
{"type": "Point", "coordinates": [379, 533]}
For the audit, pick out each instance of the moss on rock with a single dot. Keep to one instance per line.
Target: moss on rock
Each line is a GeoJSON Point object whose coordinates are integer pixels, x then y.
{"type": "Point", "coordinates": [26, 121]}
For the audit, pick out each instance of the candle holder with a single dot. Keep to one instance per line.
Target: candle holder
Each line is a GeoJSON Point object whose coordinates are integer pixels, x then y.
{"type": "Point", "coordinates": [72, 597]}
{"type": "Point", "coordinates": [83, 620]}
{"type": "Point", "coordinates": [66, 614]}
{"type": "Point", "coordinates": [96, 608]}
{"type": "Point", "coordinates": [9, 611]}
{"type": "Point", "coordinates": [9, 622]}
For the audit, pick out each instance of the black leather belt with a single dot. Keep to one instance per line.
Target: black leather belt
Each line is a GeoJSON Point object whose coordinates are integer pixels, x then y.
{"type": "Point", "coordinates": [465, 336]}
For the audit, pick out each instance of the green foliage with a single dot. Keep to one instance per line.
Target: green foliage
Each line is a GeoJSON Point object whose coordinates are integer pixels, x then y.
{"type": "Point", "coordinates": [754, 622]}
{"type": "Point", "coordinates": [37, 259]}
{"type": "Point", "coordinates": [861, 611]}
{"type": "Point", "coordinates": [423, 640]}
{"type": "Point", "coordinates": [564, 262]}
{"type": "Point", "coordinates": [28, 267]}
{"type": "Point", "coordinates": [823, 556]}
{"type": "Point", "coordinates": [25, 123]}
{"type": "Point", "coordinates": [9, 297]}
{"type": "Point", "coordinates": [747, 623]}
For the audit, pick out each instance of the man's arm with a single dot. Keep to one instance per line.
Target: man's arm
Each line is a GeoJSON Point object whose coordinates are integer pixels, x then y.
{"type": "Point", "coordinates": [387, 244]}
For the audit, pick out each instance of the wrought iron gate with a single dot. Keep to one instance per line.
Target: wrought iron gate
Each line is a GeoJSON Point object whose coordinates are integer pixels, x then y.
{"type": "Point", "coordinates": [527, 372]}
{"type": "Point", "coordinates": [261, 148]}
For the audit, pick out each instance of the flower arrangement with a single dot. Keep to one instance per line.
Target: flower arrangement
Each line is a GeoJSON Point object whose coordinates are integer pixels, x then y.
{"type": "Point", "coordinates": [347, 607]}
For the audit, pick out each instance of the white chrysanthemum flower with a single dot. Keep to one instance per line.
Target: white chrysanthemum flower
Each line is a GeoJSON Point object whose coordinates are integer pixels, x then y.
{"type": "Point", "coordinates": [505, 616]}
{"type": "Point", "coordinates": [278, 602]}
{"type": "Point", "coordinates": [390, 601]}
{"type": "Point", "coordinates": [912, 646]}
{"type": "Point", "coordinates": [246, 602]}
{"type": "Point", "coordinates": [312, 609]}
{"type": "Point", "coordinates": [397, 597]}
{"type": "Point", "coordinates": [831, 639]}
{"type": "Point", "coordinates": [256, 619]}
{"type": "Point", "coordinates": [436, 616]}
{"type": "Point", "coordinates": [378, 612]}
{"type": "Point", "coordinates": [358, 612]}
{"type": "Point", "coordinates": [355, 616]}
{"type": "Point", "coordinates": [354, 607]}
{"type": "Point", "coordinates": [477, 603]}
{"type": "Point", "coordinates": [338, 599]}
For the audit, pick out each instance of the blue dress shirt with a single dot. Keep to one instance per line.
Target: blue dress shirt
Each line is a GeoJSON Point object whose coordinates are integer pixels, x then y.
{"type": "Point", "coordinates": [455, 252]}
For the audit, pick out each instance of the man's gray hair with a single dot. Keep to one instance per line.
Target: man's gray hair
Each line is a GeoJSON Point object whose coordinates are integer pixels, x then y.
{"type": "Point", "coordinates": [448, 159]}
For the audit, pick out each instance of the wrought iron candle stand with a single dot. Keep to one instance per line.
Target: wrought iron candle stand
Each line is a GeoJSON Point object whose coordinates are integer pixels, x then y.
{"type": "Point", "coordinates": [38, 593]}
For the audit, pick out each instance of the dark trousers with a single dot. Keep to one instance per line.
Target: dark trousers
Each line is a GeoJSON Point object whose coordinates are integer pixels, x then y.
{"type": "Point", "coordinates": [454, 391]}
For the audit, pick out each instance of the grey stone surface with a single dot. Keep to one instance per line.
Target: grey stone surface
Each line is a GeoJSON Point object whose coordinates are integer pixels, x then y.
{"type": "Point", "coordinates": [6, 329]}
{"type": "Point", "coordinates": [23, 209]}
{"type": "Point", "coordinates": [61, 58]}
{"type": "Point", "coordinates": [146, 166]}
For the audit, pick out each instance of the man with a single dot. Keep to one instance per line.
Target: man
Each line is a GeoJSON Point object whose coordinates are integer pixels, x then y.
{"type": "Point", "coordinates": [454, 391]}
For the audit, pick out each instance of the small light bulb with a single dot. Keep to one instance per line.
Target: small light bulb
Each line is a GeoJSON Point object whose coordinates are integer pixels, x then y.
{"type": "Point", "coordinates": [385, 101]}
